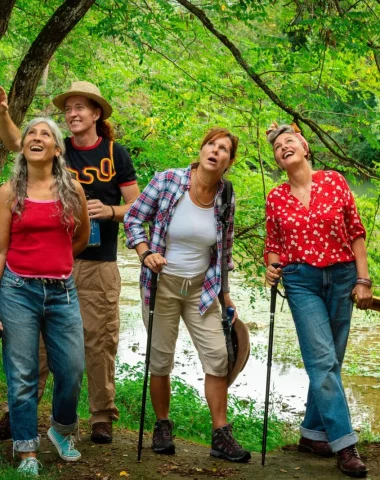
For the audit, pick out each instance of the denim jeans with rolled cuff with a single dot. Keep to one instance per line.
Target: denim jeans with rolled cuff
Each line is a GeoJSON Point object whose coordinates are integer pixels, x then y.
{"type": "Point", "coordinates": [28, 306]}
{"type": "Point", "coordinates": [321, 305]}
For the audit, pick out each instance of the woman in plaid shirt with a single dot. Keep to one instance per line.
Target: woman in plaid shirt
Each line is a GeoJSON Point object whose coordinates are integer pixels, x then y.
{"type": "Point", "coordinates": [182, 208]}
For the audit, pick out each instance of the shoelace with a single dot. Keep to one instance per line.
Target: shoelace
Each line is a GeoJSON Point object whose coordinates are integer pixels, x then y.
{"type": "Point", "coordinates": [70, 441]}
{"type": "Point", "coordinates": [230, 440]}
{"type": "Point", "coordinates": [164, 431]}
{"type": "Point", "coordinates": [31, 460]}
{"type": "Point", "coordinates": [352, 451]}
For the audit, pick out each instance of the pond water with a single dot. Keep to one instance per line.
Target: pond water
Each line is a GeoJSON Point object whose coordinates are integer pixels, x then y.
{"type": "Point", "coordinates": [289, 382]}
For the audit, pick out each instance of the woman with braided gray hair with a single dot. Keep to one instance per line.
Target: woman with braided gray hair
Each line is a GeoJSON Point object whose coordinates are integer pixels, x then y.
{"type": "Point", "coordinates": [45, 223]}
{"type": "Point", "coordinates": [315, 233]}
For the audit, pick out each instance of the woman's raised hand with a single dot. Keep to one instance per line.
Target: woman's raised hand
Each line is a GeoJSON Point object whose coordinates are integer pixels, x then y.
{"type": "Point", "coordinates": [3, 101]}
{"type": "Point", "coordinates": [155, 261]}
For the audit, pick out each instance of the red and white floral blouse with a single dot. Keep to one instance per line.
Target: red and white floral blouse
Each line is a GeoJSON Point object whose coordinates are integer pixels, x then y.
{"type": "Point", "coordinates": [321, 235]}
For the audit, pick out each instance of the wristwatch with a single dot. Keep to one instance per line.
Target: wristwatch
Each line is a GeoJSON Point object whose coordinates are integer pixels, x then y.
{"type": "Point", "coordinates": [144, 255]}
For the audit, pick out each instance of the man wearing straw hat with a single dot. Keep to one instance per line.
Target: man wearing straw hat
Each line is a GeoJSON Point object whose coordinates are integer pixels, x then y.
{"type": "Point", "coordinates": [106, 173]}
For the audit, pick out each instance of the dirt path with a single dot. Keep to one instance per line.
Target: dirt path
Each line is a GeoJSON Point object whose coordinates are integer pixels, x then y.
{"type": "Point", "coordinates": [119, 460]}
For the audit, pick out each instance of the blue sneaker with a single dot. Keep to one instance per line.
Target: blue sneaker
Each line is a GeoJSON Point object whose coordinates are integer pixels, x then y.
{"type": "Point", "coordinates": [64, 445]}
{"type": "Point", "coordinates": [29, 467]}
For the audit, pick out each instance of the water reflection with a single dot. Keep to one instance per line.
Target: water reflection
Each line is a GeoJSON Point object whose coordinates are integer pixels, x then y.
{"type": "Point", "coordinates": [289, 380]}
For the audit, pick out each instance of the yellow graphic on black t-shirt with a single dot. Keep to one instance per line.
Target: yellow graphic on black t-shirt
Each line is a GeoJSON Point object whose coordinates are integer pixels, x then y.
{"type": "Point", "coordinates": [88, 174]}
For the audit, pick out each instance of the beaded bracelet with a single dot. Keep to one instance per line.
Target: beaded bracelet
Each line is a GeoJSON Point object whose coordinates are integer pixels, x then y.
{"type": "Point", "coordinates": [364, 281]}
{"type": "Point", "coordinates": [113, 212]}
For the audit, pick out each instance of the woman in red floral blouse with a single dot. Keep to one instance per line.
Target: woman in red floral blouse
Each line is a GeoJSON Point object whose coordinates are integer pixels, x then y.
{"type": "Point", "coordinates": [315, 233]}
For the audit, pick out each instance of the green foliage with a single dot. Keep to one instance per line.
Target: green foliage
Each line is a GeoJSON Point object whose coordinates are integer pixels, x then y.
{"type": "Point", "coordinates": [169, 80]}
{"type": "Point", "coordinates": [191, 414]}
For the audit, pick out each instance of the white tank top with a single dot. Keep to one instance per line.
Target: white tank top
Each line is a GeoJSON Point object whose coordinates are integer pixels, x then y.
{"type": "Point", "coordinates": [189, 238]}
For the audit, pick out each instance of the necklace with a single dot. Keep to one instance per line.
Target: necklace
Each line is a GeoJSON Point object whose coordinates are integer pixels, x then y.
{"type": "Point", "coordinates": [196, 195]}
{"type": "Point", "coordinates": [302, 194]}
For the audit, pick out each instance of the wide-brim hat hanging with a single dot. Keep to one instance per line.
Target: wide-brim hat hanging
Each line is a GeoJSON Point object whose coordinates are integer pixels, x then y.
{"type": "Point", "coordinates": [242, 349]}
{"type": "Point", "coordinates": [84, 89]}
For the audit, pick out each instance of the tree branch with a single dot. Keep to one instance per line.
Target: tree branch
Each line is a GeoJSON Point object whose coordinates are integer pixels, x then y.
{"type": "Point", "coordinates": [324, 137]}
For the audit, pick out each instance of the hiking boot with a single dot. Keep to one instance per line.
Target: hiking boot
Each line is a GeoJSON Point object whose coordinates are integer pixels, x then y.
{"type": "Point", "coordinates": [322, 449]}
{"type": "Point", "coordinates": [64, 445]}
{"type": "Point", "coordinates": [101, 432]}
{"type": "Point", "coordinates": [225, 446]}
{"type": "Point", "coordinates": [5, 427]}
{"type": "Point", "coordinates": [350, 463]}
{"type": "Point", "coordinates": [29, 467]}
{"type": "Point", "coordinates": [163, 437]}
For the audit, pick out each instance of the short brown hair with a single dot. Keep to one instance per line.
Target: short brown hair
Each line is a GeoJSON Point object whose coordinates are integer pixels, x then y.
{"type": "Point", "coordinates": [215, 133]}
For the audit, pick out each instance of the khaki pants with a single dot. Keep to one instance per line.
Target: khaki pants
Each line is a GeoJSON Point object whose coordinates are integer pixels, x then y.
{"type": "Point", "coordinates": [98, 285]}
{"type": "Point", "coordinates": [177, 297]}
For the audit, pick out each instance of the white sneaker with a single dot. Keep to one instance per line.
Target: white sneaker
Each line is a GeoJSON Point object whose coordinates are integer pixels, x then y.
{"type": "Point", "coordinates": [29, 467]}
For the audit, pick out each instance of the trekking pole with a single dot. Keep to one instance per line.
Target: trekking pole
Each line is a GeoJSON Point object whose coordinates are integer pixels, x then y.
{"type": "Point", "coordinates": [273, 294]}
{"type": "Point", "coordinates": [152, 301]}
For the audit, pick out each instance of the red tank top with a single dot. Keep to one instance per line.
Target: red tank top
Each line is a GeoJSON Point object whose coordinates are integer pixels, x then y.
{"type": "Point", "coordinates": [40, 245]}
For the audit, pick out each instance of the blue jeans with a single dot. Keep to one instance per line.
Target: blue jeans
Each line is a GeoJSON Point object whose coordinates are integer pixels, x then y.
{"type": "Point", "coordinates": [28, 307]}
{"type": "Point", "coordinates": [321, 305]}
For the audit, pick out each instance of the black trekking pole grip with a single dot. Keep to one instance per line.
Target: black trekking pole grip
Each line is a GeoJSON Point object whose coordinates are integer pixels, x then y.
{"type": "Point", "coordinates": [152, 301]}
{"type": "Point", "coordinates": [274, 287]}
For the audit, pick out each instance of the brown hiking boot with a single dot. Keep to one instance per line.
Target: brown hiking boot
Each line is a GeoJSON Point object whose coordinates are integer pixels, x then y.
{"type": "Point", "coordinates": [322, 449]}
{"type": "Point", "coordinates": [5, 427]}
{"type": "Point", "coordinates": [350, 463]}
{"type": "Point", "coordinates": [101, 432]}
{"type": "Point", "coordinates": [225, 446]}
{"type": "Point", "coordinates": [163, 437]}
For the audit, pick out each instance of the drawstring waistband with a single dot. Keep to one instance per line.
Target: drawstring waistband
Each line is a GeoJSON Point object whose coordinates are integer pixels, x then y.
{"type": "Point", "coordinates": [186, 284]}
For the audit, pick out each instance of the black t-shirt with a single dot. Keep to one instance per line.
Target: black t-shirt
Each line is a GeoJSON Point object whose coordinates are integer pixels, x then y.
{"type": "Point", "coordinates": [101, 169]}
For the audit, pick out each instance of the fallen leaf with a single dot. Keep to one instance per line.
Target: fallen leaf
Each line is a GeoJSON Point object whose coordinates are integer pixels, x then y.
{"type": "Point", "coordinates": [124, 474]}
{"type": "Point", "coordinates": [297, 468]}
{"type": "Point", "coordinates": [283, 471]}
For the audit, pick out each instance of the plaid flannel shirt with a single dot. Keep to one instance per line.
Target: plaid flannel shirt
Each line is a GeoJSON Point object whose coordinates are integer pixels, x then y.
{"type": "Point", "coordinates": [156, 205]}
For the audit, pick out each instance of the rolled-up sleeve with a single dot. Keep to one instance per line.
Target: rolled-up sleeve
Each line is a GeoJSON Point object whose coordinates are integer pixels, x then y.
{"type": "Point", "coordinates": [142, 211]}
{"type": "Point", "coordinates": [352, 220]}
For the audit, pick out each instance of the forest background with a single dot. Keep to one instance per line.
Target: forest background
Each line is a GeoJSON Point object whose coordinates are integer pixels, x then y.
{"type": "Point", "coordinates": [173, 68]}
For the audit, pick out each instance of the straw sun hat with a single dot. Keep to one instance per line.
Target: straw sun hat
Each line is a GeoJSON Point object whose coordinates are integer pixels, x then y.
{"type": "Point", "coordinates": [84, 89]}
{"type": "Point", "coordinates": [242, 349]}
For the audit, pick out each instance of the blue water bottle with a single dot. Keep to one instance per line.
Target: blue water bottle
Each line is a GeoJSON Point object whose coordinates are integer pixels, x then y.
{"type": "Point", "coordinates": [94, 240]}
{"type": "Point", "coordinates": [230, 315]}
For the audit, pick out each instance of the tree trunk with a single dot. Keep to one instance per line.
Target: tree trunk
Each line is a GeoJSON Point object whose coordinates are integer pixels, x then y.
{"type": "Point", "coordinates": [6, 7]}
{"type": "Point", "coordinates": [39, 54]}
{"type": "Point", "coordinates": [34, 63]}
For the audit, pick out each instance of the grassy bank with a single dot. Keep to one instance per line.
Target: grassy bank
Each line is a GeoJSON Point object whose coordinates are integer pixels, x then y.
{"type": "Point", "coordinates": [188, 410]}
